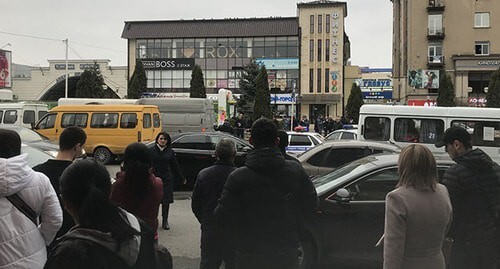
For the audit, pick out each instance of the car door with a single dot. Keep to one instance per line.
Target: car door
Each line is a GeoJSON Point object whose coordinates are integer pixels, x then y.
{"type": "Point", "coordinates": [338, 157]}
{"type": "Point", "coordinates": [352, 228]}
{"type": "Point", "coordinates": [193, 153]}
{"type": "Point", "coordinates": [313, 164]}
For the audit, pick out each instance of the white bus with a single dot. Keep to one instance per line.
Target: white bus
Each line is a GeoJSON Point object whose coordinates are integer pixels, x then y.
{"type": "Point", "coordinates": [23, 113]}
{"type": "Point", "coordinates": [404, 125]}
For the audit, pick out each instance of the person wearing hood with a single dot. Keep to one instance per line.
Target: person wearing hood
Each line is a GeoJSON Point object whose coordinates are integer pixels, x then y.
{"type": "Point", "coordinates": [23, 244]}
{"type": "Point", "coordinates": [265, 202]}
{"type": "Point", "coordinates": [473, 186]}
{"type": "Point", "coordinates": [105, 236]}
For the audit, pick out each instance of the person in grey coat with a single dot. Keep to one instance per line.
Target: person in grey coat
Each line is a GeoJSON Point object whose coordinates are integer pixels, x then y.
{"type": "Point", "coordinates": [418, 214]}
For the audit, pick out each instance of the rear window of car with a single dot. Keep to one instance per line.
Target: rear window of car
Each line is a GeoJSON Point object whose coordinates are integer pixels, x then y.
{"type": "Point", "coordinates": [299, 140]}
{"type": "Point", "coordinates": [192, 142]}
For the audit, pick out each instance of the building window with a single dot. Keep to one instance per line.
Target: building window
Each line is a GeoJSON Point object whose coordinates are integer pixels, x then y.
{"type": "Point", "coordinates": [311, 80]}
{"type": "Point", "coordinates": [311, 50]}
{"type": "Point", "coordinates": [319, 50]}
{"type": "Point", "coordinates": [435, 24]}
{"type": "Point", "coordinates": [482, 20]}
{"type": "Point", "coordinates": [327, 23]}
{"type": "Point", "coordinates": [482, 48]}
{"type": "Point", "coordinates": [320, 23]}
{"type": "Point", "coordinates": [435, 53]}
{"type": "Point", "coordinates": [327, 50]}
{"type": "Point", "coordinates": [318, 87]}
{"type": "Point", "coordinates": [311, 22]}
{"type": "Point", "coordinates": [327, 76]}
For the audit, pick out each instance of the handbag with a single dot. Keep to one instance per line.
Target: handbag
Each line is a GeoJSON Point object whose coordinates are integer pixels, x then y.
{"type": "Point", "coordinates": [446, 249]}
{"type": "Point", "coordinates": [21, 205]}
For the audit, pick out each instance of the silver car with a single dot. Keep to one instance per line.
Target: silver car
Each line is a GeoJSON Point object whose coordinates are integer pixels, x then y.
{"type": "Point", "coordinates": [326, 157]}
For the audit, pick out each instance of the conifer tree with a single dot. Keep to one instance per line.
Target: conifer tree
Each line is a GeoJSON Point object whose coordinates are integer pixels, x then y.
{"type": "Point", "coordinates": [446, 92]}
{"type": "Point", "coordinates": [90, 84]}
{"type": "Point", "coordinates": [354, 103]}
{"type": "Point", "coordinates": [246, 102]}
{"type": "Point", "coordinates": [262, 106]}
{"type": "Point", "coordinates": [138, 82]}
{"type": "Point", "coordinates": [493, 95]}
{"type": "Point", "coordinates": [197, 89]}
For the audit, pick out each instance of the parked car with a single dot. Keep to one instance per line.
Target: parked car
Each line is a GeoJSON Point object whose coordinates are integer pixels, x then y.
{"type": "Point", "coordinates": [350, 217]}
{"type": "Point", "coordinates": [302, 141]}
{"type": "Point", "coordinates": [342, 134]}
{"type": "Point", "coordinates": [196, 150]}
{"type": "Point", "coordinates": [330, 155]}
{"type": "Point", "coordinates": [33, 139]}
{"type": "Point", "coordinates": [35, 156]}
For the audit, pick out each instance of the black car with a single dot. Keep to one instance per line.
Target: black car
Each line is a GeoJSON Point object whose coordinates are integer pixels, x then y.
{"type": "Point", "coordinates": [350, 217]}
{"type": "Point", "coordinates": [196, 150]}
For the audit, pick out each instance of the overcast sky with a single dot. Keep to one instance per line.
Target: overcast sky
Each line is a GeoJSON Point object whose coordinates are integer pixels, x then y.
{"type": "Point", "coordinates": [94, 27]}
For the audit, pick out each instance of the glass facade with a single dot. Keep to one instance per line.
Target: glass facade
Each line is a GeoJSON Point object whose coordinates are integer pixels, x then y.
{"type": "Point", "coordinates": [170, 61]}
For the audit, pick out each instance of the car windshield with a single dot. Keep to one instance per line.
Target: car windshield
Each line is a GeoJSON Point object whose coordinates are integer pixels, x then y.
{"type": "Point", "coordinates": [352, 167]}
{"type": "Point", "coordinates": [28, 136]}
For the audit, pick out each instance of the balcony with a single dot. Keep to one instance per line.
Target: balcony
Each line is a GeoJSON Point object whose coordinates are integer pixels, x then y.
{"type": "Point", "coordinates": [435, 6]}
{"type": "Point", "coordinates": [435, 61]}
{"type": "Point", "coordinates": [435, 33]}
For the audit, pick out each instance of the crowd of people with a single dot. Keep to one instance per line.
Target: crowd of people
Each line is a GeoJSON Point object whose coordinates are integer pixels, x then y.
{"type": "Point", "coordinates": [67, 214]}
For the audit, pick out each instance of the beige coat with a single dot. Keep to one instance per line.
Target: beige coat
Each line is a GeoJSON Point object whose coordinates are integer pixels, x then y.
{"type": "Point", "coordinates": [415, 225]}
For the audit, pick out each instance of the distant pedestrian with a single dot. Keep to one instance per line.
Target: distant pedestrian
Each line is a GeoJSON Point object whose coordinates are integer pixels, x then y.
{"type": "Point", "coordinates": [417, 215]}
{"type": "Point", "coordinates": [23, 239]}
{"type": "Point", "coordinates": [240, 126]}
{"type": "Point", "coordinates": [71, 144]}
{"type": "Point", "coordinates": [166, 167]}
{"type": "Point", "coordinates": [266, 201]}
{"type": "Point", "coordinates": [105, 236]}
{"type": "Point", "coordinates": [226, 127]}
{"type": "Point", "coordinates": [305, 123]}
{"type": "Point", "coordinates": [137, 189]}
{"type": "Point", "coordinates": [474, 192]}
{"type": "Point", "coordinates": [215, 241]}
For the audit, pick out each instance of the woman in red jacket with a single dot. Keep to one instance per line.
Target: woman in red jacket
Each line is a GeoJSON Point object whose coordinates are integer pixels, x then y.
{"type": "Point", "coordinates": [137, 189]}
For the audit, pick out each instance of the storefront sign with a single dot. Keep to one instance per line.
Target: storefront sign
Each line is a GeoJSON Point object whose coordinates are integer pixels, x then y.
{"type": "Point", "coordinates": [421, 102]}
{"type": "Point", "coordinates": [477, 101]}
{"type": "Point", "coordinates": [169, 64]}
{"type": "Point", "coordinates": [489, 63]}
{"type": "Point", "coordinates": [281, 99]}
{"type": "Point", "coordinates": [63, 66]}
{"type": "Point", "coordinates": [377, 95]}
{"type": "Point", "coordinates": [88, 66]}
{"type": "Point", "coordinates": [278, 64]}
{"type": "Point", "coordinates": [335, 34]}
{"type": "Point", "coordinates": [375, 83]}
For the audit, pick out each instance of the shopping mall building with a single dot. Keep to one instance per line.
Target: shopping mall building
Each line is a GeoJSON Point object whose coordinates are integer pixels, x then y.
{"type": "Point", "coordinates": [304, 55]}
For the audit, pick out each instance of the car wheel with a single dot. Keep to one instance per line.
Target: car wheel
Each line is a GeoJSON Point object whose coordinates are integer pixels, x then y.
{"type": "Point", "coordinates": [102, 155]}
{"type": "Point", "coordinates": [307, 254]}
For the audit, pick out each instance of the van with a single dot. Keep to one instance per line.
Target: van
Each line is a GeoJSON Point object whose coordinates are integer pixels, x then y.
{"type": "Point", "coordinates": [184, 114]}
{"type": "Point", "coordinates": [23, 113]}
{"type": "Point", "coordinates": [404, 125]}
{"type": "Point", "coordinates": [109, 128]}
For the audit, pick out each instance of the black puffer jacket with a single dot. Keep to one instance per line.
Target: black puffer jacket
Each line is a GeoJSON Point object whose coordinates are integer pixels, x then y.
{"type": "Point", "coordinates": [473, 187]}
{"type": "Point", "coordinates": [265, 201]}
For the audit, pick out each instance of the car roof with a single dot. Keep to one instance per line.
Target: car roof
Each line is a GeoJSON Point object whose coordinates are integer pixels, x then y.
{"type": "Point", "coordinates": [349, 144]}
{"type": "Point", "coordinates": [178, 135]}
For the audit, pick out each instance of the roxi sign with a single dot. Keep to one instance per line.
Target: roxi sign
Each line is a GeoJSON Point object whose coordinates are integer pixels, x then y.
{"type": "Point", "coordinates": [169, 64]}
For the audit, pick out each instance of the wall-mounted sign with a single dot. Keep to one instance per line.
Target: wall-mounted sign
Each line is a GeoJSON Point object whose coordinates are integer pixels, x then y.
{"type": "Point", "coordinates": [278, 64]}
{"type": "Point", "coordinates": [63, 66]}
{"type": "Point", "coordinates": [335, 76]}
{"type": "Point", "coordinates": [5, 69]}
{"type": "Point", "coordinates": [335, 36]}
{"type": "Point", "coordinates": [89, 66]}
{"type": "Point", "coordinates": [423, 79]}
{"type": "Point", "coordinates": [281, 99]}
{"type": "Point", "coordinates": [377, 95]}
{"type": "Point", "coordinates": [375, 83]}
{"type": "Point", "coordinates": [169, 64]}
{"type": "Point", "coordinates": [422, 102]}
{"type": "Point", "coordinates": [489, 63]}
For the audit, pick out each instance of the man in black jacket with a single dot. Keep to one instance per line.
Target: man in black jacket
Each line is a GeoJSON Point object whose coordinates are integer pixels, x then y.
{"type": "Point", "coordinates": [474, 193]}
{"type": "Point", "coordinates": [215, 245]}
{"type": "Point", "coordinates": [265, 202]}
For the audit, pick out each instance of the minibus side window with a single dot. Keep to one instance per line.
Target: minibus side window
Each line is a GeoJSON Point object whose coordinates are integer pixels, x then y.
{"type": "Point", "coordinates": [74, 119]}
{"type": "Point", "coordinates": [41, 113]}
{"type": "Point", "coordinates": [418, 130]}
{"type": "Point", "coordinates": [104, 120]}
{"type": "Point", "coordinates": [1, 115]}
{"type": "Point", "coordinates": [128, 121]}
{"type": "Point", "coordinates": [146, 123]}
{"type": "Point", "coordinates": [47, 122]}
{"type": "Point", "coordinates": [377, 128]}
{"type": "Point", "coordinates": [156, 120]}
{"type": "Point", "coordinates": [483, 133]}
{"type": "Point", "coordinates": [29, 116]}
{"type": "Point", "coordinates": [10, 116]}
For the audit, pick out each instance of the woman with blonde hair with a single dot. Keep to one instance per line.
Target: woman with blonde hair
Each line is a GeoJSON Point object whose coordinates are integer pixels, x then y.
{"type": "Point", "coordinates": [418, 213]}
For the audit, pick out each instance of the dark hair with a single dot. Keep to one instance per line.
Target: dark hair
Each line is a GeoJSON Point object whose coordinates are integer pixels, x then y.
{"type": "Point", "coordinates": [10, 143]}
{"type": "Point", "coordinates": [455, 133]}
{"type": "Point", "coordinates": [167, 136]}
{"type": "Point", "coordinates": [225, 149]}
{"type": "Point", "coordinates": [137, 164]}
{"type": "Point", "coordinates": [283, 136]}
{"type": "Point", "coordinates": [71, 136]}
{"type": "Point", "coordinates": [264, 133]}
{"type": "Point", "coordinates": [85, 185]}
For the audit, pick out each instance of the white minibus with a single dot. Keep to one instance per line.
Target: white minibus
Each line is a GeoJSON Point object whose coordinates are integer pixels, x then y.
{"type": "Point", "coordinates": [404, 125]}
{"type": "Point", "coordinates": [23, 113]}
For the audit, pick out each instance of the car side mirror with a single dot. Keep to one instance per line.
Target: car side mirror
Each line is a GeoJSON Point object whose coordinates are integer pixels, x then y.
{"type": "Point", "coordinates": [342, 196]}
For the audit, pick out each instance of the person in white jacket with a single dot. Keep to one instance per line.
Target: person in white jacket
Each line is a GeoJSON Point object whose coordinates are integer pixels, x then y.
{"type": "Point", "coordinates": [22, 243]}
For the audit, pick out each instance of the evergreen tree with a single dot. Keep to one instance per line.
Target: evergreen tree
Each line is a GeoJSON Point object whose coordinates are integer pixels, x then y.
{"type": "Point", "coordinates": [138, 82]}
{"type": "Point", "coordinates": [354, 103]}
{"type": "Point", "coordinates": [446, 92]}
{"type": "Point", "coordinates": [197, 89]}
{"type": "Point", "coordinates": [262, 107]}
{"type": "Point", "coordinates": [247, 87]}
{"type": "Point", "coordinates": [90, 84]}
{"type": "Point", "coordinates": [493, 95]}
